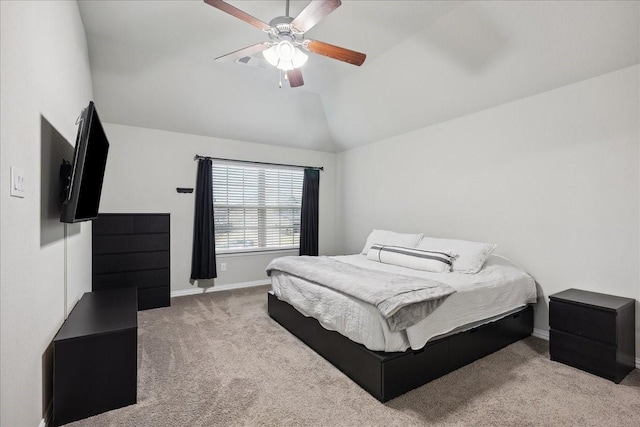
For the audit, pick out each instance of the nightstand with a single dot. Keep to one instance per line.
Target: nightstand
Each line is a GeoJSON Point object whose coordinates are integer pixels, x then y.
{"type": "Point", "coordinates": [593, 332]}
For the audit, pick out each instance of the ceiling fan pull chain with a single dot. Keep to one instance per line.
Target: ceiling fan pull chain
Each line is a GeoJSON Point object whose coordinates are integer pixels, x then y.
{"type": "Point", "coordinates": [280, 82]}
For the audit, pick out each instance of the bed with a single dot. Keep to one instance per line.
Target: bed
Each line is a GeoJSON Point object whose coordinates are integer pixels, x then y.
{"type": "Point", "coordinates": [485, 312]}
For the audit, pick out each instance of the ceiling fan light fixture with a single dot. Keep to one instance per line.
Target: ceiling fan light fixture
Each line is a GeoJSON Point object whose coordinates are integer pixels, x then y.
{"type": "Point", "coordinates": [285, 56]}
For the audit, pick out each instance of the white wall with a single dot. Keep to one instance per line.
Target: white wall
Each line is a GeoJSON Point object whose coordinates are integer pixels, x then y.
{"type": "Point", "coordinates": [553, 179]}
{"type": "Point", "coordinates": [44, 84]}
{"type": "Point", "coordinates": [145, 166]}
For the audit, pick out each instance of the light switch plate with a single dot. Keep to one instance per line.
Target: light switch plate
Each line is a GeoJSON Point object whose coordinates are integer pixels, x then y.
{"type": "Point", "coordinates": [17, 182]}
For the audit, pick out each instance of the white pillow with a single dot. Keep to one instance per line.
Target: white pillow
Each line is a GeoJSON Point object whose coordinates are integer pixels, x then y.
{"type": "Point", "coordinates": [384, 237]}
{"type": "Point", "coordinates": [417, 259]}
{"type": "Point", "coordinates": [471, 256]}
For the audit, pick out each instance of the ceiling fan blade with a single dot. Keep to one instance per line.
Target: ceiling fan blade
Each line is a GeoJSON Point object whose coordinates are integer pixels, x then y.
{"type": "Point", "coordinates": [247, 51]}
{"type": "Point", "coordinates": [335, 52]}
{"type": "Point", "coordinates": [295, 77]}
{"type": "Point", "coordinates": [234, 11]}
{"type": "Point", "coordinates": [313, 13]}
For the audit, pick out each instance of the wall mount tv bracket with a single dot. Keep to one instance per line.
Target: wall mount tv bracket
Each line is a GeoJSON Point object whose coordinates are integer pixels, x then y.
{"type": "Point", "coordinates": [65, 179]}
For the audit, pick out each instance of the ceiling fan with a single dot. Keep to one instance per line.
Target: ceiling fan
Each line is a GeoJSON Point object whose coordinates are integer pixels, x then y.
{"type": "Point", "coordinates": [287, 41]}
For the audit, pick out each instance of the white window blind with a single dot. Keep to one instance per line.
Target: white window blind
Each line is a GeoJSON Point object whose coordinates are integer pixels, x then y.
{"type": "Point", "coordinates": [256, 207]}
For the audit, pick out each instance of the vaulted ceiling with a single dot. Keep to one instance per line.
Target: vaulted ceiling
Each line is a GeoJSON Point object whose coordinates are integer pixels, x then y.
{"type": "Point", "coordinates": [427, 62]}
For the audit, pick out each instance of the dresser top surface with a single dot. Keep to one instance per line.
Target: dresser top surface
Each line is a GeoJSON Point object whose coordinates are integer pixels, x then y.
{"type": "Point", "coordinates": [595, 299]}
{"type": "Point", "coordinates": [101, 312]}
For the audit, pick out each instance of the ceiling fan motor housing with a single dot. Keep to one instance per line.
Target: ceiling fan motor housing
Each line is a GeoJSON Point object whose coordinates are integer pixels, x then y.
{"type": "Point", "coordinates": [281, 29]}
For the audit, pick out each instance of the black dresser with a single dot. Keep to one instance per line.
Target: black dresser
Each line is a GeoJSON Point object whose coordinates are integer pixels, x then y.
{"type": "Point", "coordinates": [133, 250]}
{"type": "Point", "coordinates": [593, 332]}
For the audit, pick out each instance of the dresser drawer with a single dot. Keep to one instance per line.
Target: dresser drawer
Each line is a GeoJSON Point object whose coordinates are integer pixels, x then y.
{"type": "Point", "coordinates": [119, 263]}
{"type": "Point", "coordinates": [588, 322]}
{"type": "Point", "coordinates": [154, 297]}
{"type": "Point", "coordinates": [583, 353]}
{"type": "Point", "coordinates": [151, 223]}
{"type": "Point", "coordinates": [112, 224]}
{"type": "Point", "coordinates": [132, 279]}
{"type": "Point", "coordinates": [129, 243]}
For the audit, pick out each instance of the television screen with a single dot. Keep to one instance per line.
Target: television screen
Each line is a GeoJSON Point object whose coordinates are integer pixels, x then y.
{"type": "Point", "coordinates": [87, 171]}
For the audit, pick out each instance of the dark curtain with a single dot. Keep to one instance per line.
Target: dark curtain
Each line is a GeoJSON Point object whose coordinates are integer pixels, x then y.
{"type": "Point", "coordinates": [309, 212]}
{"type": "Point", "coordinates": [203, 256]}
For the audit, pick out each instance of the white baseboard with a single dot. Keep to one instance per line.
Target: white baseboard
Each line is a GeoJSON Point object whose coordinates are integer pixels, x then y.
{"type": "Point", "coordinates": [544, 334]}
{"type": "Point", "coordinates": [541, 333]}
{"type": "Point", "coordinates": [196, 290]}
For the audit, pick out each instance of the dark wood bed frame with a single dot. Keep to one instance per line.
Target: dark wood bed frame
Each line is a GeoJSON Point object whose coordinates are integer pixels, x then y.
{"type": "Point", "coordinates": [388, 375]}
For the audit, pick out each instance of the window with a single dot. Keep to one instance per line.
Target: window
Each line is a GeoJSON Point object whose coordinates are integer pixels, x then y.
{"type": "Point", "coordinates": [256, 207]}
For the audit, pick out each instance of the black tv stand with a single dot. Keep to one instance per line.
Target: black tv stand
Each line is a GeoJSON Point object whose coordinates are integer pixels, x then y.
{"type": "Point", "coordinates": [95, 356]}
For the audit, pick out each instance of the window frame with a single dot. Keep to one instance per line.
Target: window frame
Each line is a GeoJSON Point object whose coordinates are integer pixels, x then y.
{"type": "Point", "coordinates": [262, 208]}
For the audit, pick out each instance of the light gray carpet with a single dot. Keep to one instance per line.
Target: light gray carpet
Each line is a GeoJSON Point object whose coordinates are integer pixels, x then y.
{"type": "Point", "coordinates": [219, 359]}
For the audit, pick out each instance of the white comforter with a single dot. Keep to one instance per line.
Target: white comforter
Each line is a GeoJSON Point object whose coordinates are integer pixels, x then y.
{"type": "Point", "coordinates": [401, 299]}
{"type": "Point", "coordinates": [499, 288]}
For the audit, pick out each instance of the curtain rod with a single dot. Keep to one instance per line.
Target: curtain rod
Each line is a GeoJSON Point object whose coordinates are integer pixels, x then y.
{"type": "Point", "coordinates": [198, 157]}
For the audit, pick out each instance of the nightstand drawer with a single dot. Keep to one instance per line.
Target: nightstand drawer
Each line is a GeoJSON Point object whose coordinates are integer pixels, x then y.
{"type": "Point", "coordinates": [583, 353]}
{"type": "Point", "coordinates": [588, 322]}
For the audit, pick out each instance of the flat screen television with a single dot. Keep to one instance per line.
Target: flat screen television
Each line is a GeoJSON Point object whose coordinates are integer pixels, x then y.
{"type": "Point", "coordinates": [82, 180]}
